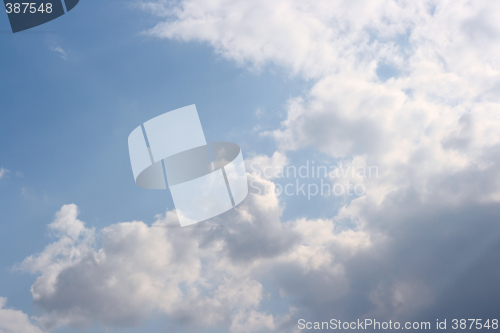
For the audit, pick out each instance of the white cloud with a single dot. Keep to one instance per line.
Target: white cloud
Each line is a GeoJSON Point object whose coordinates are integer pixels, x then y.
{"type": "Point", "coordinates": [313, 39]}
{"type": "Point", "coordinates": [267, 167]}
{"type": "Point", "coordinates": [436, 118]}
{"type": "Point", "coordinates": [62, 53]}
{"type": "Point", "coordinates": [15, 321]}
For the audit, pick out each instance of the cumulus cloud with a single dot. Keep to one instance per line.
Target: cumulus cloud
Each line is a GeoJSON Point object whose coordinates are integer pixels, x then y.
{"type": "Point", "coordinates": [198, 277]}
{"type": "Point", "coordinates": [435, 117]}
{"type": "Point", "coordinates": [15, 321]}
{"type": "Point", "coordinates": [3, 172]}
{"type": "Point", "coordinates": [226, 275]}
{"type": "Point", "coordinates": [411, 88]}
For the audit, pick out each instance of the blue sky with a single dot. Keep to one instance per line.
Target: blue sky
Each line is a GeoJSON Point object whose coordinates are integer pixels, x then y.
{"type": "Point", "coordinates": [343, 85]}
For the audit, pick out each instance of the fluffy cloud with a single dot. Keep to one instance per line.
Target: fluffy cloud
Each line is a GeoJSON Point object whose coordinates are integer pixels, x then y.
{"type": "Point", "coordinates": [198, 277]}
{"type": "Point", "coordinates": [229, 273]}
{"type": "Point", "coordinates": [14, 321]}
{"type": "Point", "coordinates": [411, 87]}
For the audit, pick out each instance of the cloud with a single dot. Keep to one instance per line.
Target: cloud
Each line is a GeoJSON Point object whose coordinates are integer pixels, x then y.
{"type": "Point", "coordinates": [310, 39]}
{"type": "Point", "coordinates": [408, 87]}
{"type": "Point", "coordinates": [411, 88]}
{"type": "Point", "coordinates": [267, 167]}
{"type": "Point", "coordinates": [14, 321]}
{"type": "Point", "coordinates": [3, 172]}
{"type": "Point", "coordinates": [60, 51]}
{"type": "Point", "coordinates": [251, 322]}
{"type": "Point", "coordinates": [390, 268]}
{"type": "Point", "coordinates": [198, 277]}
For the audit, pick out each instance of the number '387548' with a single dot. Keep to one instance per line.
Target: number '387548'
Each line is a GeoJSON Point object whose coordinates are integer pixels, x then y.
{"type": "Point", "coordinates": [26, 7]}
{"type": "Point", "coordinates": [26, 15]}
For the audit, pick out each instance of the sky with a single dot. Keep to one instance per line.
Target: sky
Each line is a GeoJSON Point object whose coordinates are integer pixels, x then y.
{"type": "Point", "coordinates": [399, 102]}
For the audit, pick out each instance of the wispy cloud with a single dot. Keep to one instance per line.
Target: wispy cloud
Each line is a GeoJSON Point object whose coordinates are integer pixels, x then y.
{"type": "Point", "coordinates": [3, 172]}
{"type": "Point", "coordinates": [60, 51]}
